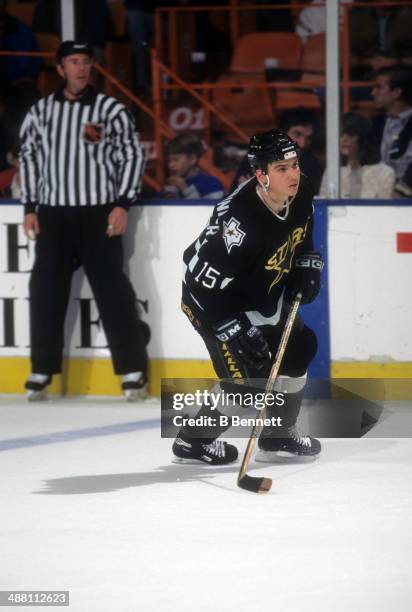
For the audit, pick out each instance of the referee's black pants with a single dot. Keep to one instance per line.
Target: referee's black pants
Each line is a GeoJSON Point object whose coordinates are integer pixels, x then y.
{"type": "Point", "coordinates": [70, 236]}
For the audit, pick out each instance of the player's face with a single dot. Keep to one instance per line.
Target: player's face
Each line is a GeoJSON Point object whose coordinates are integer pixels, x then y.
{"type": "Point", "coordinates": [180, 163]}
{"type": "Point", "coordinates": [284, 177]}
{"type": "Point", "coordinates": [349, 145]}
{"type": "Point", "coordinates": [76, 69]}
{"type": "Point", "coordinates": [302, 135]}
{"type": "Point", "coordinates": [382, 94]}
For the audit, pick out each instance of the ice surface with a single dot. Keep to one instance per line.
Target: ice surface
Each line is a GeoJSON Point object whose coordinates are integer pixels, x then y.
{"type": "Point", "coordinates": [99, 510]}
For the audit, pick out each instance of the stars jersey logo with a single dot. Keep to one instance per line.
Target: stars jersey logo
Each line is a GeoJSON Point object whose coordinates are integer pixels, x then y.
{"type": "Point", "coordinates": [232, 234]}
{"type": "Point", "coordinates": [281, 261]}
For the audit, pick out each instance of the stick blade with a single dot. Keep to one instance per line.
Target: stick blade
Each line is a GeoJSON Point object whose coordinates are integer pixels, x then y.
{"type": "Point", "coordinates": [254, 485]}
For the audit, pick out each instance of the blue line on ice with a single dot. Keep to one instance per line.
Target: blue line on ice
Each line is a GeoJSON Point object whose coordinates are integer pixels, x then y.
{"type": "Point", "coordinates": [78, 434]}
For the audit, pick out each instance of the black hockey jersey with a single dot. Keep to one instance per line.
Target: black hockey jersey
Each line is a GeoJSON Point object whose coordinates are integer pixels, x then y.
{"type": "Point", "coordinates": [243, 257]}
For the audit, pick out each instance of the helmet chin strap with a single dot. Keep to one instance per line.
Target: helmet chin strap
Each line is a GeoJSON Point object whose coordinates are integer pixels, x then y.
{"type": "Point", "coordinates": [265, 186]}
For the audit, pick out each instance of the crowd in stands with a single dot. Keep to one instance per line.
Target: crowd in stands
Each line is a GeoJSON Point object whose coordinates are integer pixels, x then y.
{"type": "Point", "coordinates": [300, 124]}
{"type": "Point", "coordinates": [363, 175]}
{"type": "Point", "coordinates": [186, 180]}
{"type": "Point", "coordinates": [392, 95]}
{"type": "Point", "coordinates": [376, 144]}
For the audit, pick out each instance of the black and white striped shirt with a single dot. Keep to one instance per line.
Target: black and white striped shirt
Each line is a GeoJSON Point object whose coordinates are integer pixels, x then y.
{"type": "Point", "coordinates": [79, 153]}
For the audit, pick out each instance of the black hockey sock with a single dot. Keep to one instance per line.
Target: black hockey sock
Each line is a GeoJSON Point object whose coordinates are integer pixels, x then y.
{"type": "Point", "coordinates": [293, 403]}
{"type": "Point", "coordinates": [208, 426]}
{"type": "Point", "coordinates": [289, 413]}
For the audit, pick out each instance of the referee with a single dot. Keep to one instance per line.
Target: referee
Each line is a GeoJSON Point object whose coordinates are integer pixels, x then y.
{"type": "Point", "coordinates": [81, 167]}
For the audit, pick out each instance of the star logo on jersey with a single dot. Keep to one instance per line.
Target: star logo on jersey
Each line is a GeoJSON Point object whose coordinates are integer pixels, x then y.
{"type": "Point", "coordinates": [281, 261]}
{"type": "Point", "coordinates": [232, 234]}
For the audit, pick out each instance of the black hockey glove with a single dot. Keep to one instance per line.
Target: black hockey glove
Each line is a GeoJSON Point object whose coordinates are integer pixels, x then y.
{"type": "Point", "coordinates": [306, 276]}
{"type": "Point", "coordinates": [244, 341]}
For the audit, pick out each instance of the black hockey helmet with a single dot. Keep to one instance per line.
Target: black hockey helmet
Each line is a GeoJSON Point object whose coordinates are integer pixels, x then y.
{"type": "Point", "coordinates": [268, 147]}
{"type": "Point", "coordinates": [72, 47]}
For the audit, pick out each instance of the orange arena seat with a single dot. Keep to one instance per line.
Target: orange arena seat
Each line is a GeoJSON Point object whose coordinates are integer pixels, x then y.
{"type": "Point", "coordinates": [253, 109]}
{"type": "Point", "coordinates": [313, 67]}
{"type": "Point", "coordinates": [6, 177]}
{"type": "Point", "coordinates": [252, 50]}
{"type": "Point", "coordinates": [249, 107]}
{"type": "Point", "coordinates": [22, 10]}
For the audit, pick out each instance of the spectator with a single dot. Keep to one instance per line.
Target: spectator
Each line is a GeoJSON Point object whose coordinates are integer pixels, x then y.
{"type": "Point", "coordinates": [16, 36]}
{"type": "Point", "coordinates": [15, 105]}
{"type": "Point", "coordinates": [213, 47]}
{"type": "Point", "coordinates": [392, 94]}
{"type": "Point", "coordinates": [363, 175]}
{"type": "Point", "coordinates": [204, 34]}
{"type": "Point", "coordinates": [379, 36]}
{"type": "Point", "coordinates": [4, 142]}
{"type": "Point", "coordinates": [93, 22]}
{"type": "Point", "coordinates": [141, 29]}
{"type": "Point", "coordinates": [186, 179]}
{"type": "Point", "coordinates": [299, 124]}
{"type": "Point", "coordinates": [15, 186]}
{"type": "Point", "coordinates": [279, 19]}
{"type": "Point", "coordinates": [312, 20]}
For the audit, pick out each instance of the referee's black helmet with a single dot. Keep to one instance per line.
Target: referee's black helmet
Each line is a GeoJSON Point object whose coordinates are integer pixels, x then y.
{"type": "Point", "coordinates": [271, 146]}
{"type": "Point", "coordinates": [72, 47]}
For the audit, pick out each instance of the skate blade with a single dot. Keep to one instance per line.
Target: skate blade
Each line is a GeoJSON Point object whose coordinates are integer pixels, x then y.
{"type": "Point", "coordinates": [37, 396]}
{"type": "Point", "coordinates": [282, 456]}
{"type": "Point", "coordinates": [135, 395]}
{"type": "Point", "coordinates": [188, 461]}
{"type": "Point", "coordinates": [191, 461]}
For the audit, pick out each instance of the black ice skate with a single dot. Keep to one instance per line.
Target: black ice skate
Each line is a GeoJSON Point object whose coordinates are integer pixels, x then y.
{"type": "Point", "coordinates": [36, 386]}
{"type": "Point", "coordinates": [193, 450]}
{"type": "Point", "coordinates": [134, 386]}
{"type": "Point", "coordinates": [295, 445]}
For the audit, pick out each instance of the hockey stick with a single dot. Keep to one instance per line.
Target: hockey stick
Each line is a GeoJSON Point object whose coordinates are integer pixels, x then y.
{"type": "Point", "coordinates": [252, 483]}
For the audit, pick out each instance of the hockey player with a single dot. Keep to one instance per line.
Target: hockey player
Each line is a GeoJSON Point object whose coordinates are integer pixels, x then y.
{"type": "Point", "coordinates": [240, 278]}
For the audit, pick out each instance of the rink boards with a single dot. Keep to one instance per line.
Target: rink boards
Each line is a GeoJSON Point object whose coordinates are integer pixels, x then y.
{"type": "Point", "coordinates": [362, 318]}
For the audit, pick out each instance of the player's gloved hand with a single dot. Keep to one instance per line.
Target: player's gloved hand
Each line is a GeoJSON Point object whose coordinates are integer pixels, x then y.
{"type": "Point", "coordinates": [306, 276]}
{"type": "Point", "coordinates": [244, 341]}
